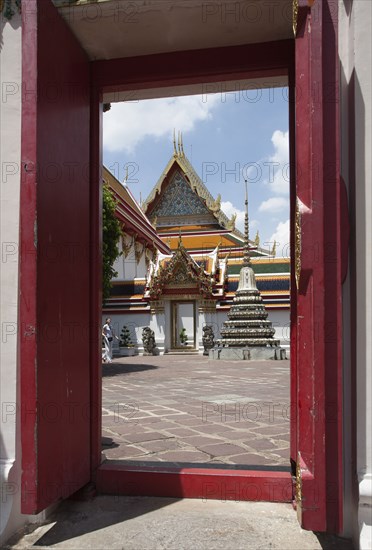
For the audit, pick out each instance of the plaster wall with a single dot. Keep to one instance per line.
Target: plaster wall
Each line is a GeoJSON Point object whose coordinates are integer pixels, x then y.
{"type": "Point", "coordinates": [127, 267]}
{"type": "Point", "coordinates": [10, 133]}
{"type": "Point", "coordinates": [355, 49]}
{"type": "Point", "coordinates": [11, 518]}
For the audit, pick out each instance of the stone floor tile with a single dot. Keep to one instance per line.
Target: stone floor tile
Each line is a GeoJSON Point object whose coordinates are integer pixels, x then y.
{"type": "Point", "coordinates": [222, 449]}
{"type": "Point", "coordinates": [184, 456]}
{"type": "Point", "coordinates": [145, 436]}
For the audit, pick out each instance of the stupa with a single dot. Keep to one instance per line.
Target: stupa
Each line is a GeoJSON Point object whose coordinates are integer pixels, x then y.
{"type": "Point", "coordinates": [247, 334]}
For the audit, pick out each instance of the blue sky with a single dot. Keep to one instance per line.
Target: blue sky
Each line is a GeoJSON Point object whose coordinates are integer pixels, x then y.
{"type": "Point", "coordinates": [227, 137]}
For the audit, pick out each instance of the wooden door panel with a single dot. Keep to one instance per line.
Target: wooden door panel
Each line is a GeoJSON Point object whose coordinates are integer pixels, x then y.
{"type": "Point", "coordinates": [316, 282]}
{"type": "Point", "coordinates": [54, 261]}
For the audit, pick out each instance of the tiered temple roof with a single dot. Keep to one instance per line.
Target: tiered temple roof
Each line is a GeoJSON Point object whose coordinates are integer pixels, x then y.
{"type": "Point", "coordinates": [181, 205]}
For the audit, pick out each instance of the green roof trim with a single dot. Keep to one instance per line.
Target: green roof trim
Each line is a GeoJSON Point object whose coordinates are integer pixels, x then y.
{"type": "Point", "coordinates": [282, 268]}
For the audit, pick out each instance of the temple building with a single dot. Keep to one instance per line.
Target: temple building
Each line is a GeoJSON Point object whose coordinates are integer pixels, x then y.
{"type": "Point", "coordinates": [180, 266]}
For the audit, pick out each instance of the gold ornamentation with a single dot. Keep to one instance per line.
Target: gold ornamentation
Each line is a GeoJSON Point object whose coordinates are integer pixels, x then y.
{"type": "Point", "coordinates": [257, 239]}
{"type": "Point", "coordinates": [127, 247]}
{"type": "Point", "coordinates": [175, 153]}
{"type": "Point", "coordinates": [195, 183]}
{"type": "Point", "coordinates": [298, 488]}
{"type": "Point", "coordinates": [295, 16]}
{"type": "Point", "coordinates": [157, 306]}
{"type": "Point", "coordinates": [231, 223]}
{"type": "Point", "coordinates": [207, 306]}
{"type": "Point", "coordinates": [297, 244]}
{"type": "Point", "coordinates": [216, 205]}
{"type": "Point", "coordinates": [180, 270]}
{"type": "Point", "coordinates": [139, 249]}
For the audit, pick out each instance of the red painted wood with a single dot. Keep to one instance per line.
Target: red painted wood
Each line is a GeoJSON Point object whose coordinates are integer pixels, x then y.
{"type": "Point", "coordinates": [27, 342]}
{"type": "Point", "coordinates": [293, 293]}
{"type": "Point", "coordinates": [54, 271]}
{"type": "Point", "coordinates": [204, 483]}
{"type": "Point", "coordinates": [195, 66]}
{"type": "Point", "coordinates": [95, 266]}
{"type": "Point", "coordinates": [344, 229]}
{"type": "Point", "coordinates": [319, 316]}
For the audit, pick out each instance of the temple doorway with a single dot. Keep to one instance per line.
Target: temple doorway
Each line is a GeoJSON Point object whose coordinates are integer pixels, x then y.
{"type": "Point", "coordinates": [184, 325]}
{"type": "Point", "coordinates": [186, 233]}
{"type": "Point", "coordinates": [316, 390]}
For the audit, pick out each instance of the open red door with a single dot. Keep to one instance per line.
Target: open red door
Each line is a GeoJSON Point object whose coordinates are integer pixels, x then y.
{"type": "Point", "coordinates": [316, 355]}
{"type": "Point", "coordinates": [54, 261]}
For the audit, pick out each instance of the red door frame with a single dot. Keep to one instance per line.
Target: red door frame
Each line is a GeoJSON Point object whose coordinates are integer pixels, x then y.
{"type": "Point", "coordinates": [311, 64]}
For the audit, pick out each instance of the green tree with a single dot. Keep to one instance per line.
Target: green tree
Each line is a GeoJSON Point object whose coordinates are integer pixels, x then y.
{"type": "Point", "coordinates": [111, 233]}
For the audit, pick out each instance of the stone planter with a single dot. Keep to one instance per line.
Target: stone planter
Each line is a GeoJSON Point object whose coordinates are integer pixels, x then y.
{"type": "Point", "coordinates": [126, 352]}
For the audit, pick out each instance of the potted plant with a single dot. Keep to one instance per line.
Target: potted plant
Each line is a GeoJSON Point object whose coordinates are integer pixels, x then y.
{"type": "Point", "coordinates": [183, 337]}
{"type": "Point", "coordinates": [126, 345]}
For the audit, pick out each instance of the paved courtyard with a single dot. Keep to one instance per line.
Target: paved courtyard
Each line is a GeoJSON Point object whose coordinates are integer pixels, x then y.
{"type": "Point", "coordinates": [182, 409]}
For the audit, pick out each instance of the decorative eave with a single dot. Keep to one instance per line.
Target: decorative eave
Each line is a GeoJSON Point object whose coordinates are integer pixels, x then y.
{"type": "Point", "coordinates": [131, 216]}
{"type": "Point", "coordinates": [196, 184]}
{"type": "Point", "coordinates": [180, 261]}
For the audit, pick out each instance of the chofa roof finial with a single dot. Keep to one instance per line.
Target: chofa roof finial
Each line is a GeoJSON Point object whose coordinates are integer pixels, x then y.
{"type": "Point", "coordinates": [181, 144]}
{"type": "Point", "coordinates": [174, 143]}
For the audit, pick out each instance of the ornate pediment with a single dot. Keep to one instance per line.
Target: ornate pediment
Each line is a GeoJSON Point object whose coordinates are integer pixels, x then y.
{"type": "Point", "coordinates": [178, 199]}
{"type": "Point", "coordinates": [180, 271]}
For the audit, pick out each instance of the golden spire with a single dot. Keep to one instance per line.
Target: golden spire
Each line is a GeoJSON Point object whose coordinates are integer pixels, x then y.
{"type": "Point", "coordinates": [174, 143]}
{"type": "Point", "coordinates": [180, 243]}
{"type": "Point", "coordinates": [247, 256]}
{"type": "Point", "coordinates": [257, 239]}
{"type": "Point", "coordinates": [273, 252]}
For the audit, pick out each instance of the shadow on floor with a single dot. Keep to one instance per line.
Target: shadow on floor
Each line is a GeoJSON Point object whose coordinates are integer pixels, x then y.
{"type": "Point", "coordinates": [332, 542]}
{"type": "Point", "coordinates": [217, 465]}
{"type": "Point", "coordinates": [114, 369]}
{"type": "Point", "coordinates": [74, 519]}
{"type": "Point", "coordinates": [151, 523]}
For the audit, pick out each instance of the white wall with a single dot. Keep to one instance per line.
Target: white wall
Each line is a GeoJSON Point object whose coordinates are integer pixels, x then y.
{"type": "Point", "coordinates": [10, 155]}
{"type": "Point", "coordinates": [10, 133]}
{"type": "Point", "coordinates": [127, 267]}
{"type": "Point", "coordinates": [355, 47]}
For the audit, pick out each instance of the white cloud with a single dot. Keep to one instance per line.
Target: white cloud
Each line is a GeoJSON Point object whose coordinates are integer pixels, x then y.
{"type": "Point", "coordinates": [275, 204]}
{"type": "Point", "coordinates": [127, 124]}
{"type": "Point", "coordinates": [279, 170]}
{"type": "Point", "coordinates": [281, 237]}
{"type": "Point", "coordinates": [229, 209]}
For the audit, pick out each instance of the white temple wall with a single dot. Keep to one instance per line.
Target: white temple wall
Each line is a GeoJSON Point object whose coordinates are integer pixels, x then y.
{"type": "Point", "coordinates": [167, 325]}
{"type": "Point", "coordinates": [127, 267]}
{"type": "Point", "coordinates": [280, 319]}
{"type": "Point", "coordinates": [135, 322]}
{"type": "Point", "coordinates": [11, 518]}
{"type": "Point", "coordinates": [355, 50]}
{"type": "Point", "coordinates": [141, 268]}
{"type": "Point", "coordinates": [130, 265]}
{"type": "Point", "coordinates": [119, 264]}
